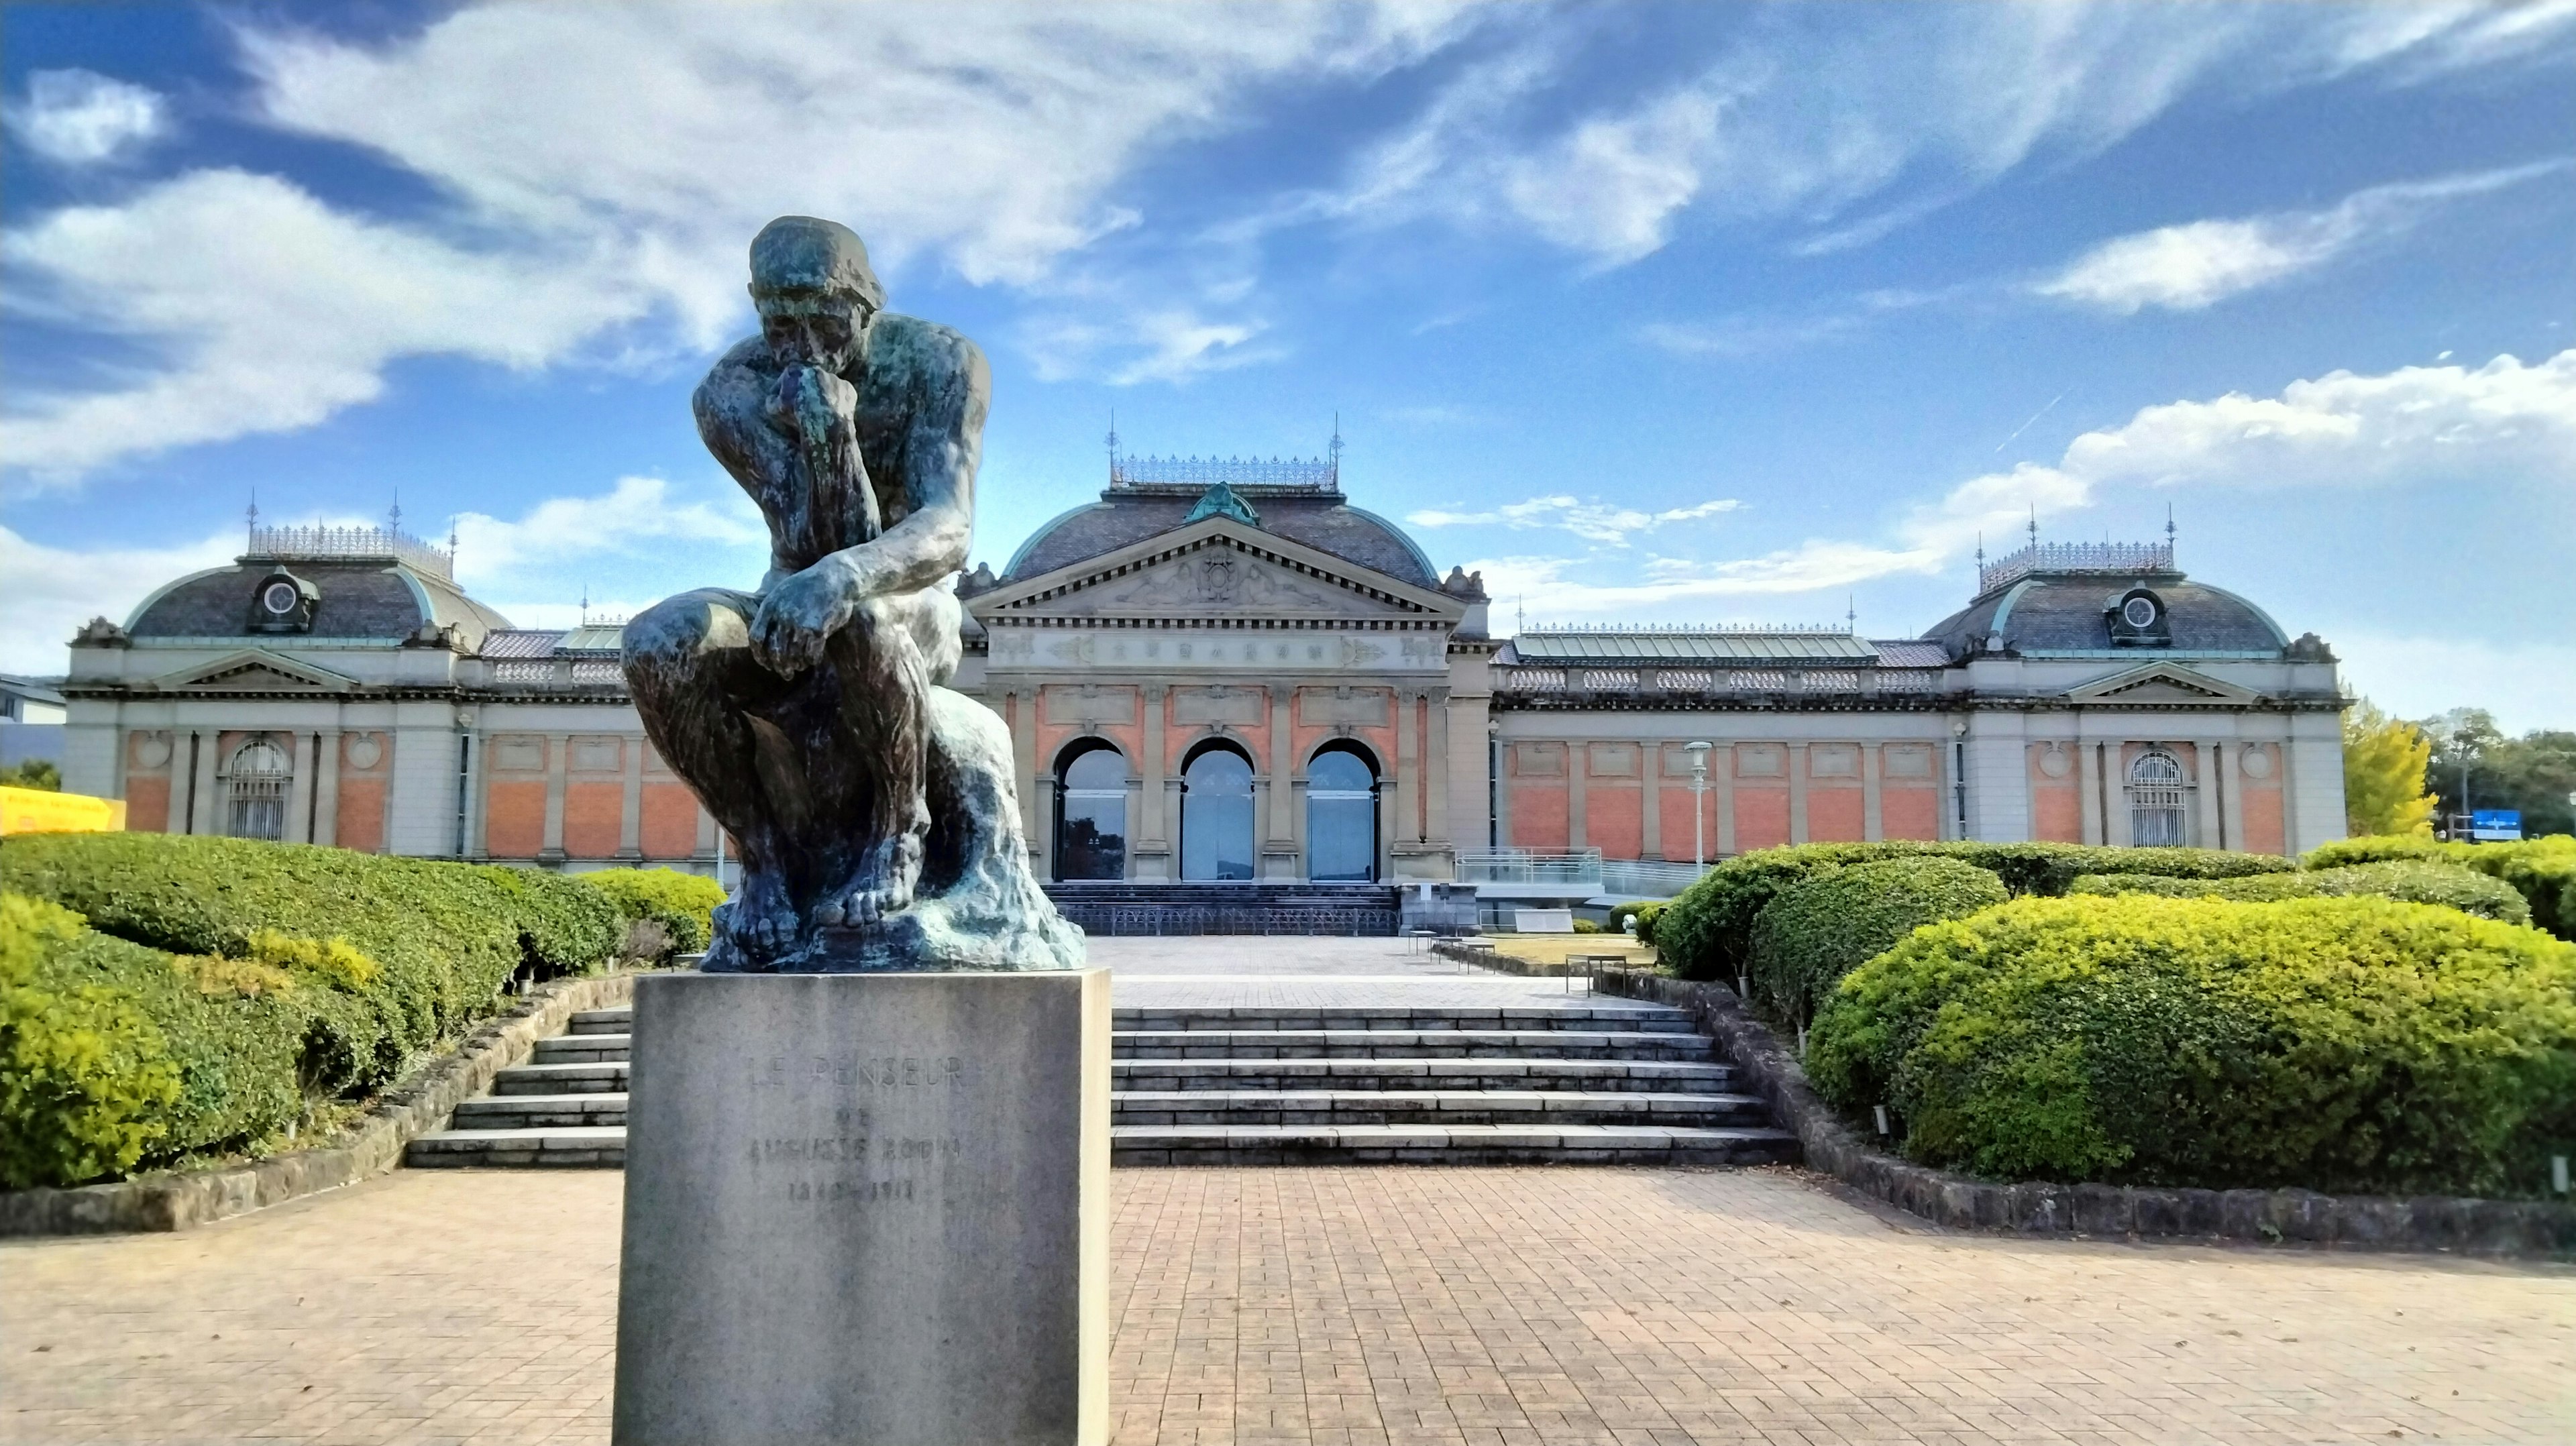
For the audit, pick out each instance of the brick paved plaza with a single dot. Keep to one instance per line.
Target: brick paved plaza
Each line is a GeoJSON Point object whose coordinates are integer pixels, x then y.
{"type": "Point", "coordinates": [1341, 1305]}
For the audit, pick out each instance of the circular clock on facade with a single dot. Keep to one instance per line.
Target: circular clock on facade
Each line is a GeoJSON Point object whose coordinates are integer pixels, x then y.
{"type": "Point", "coordinates": [2139, 612]}
{"type": "Point", "coordinates": [279, 598]}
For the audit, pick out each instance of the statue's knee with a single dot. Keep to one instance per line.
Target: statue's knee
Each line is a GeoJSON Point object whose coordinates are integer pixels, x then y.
{"type": "Point", "coordinates": [675, 632]}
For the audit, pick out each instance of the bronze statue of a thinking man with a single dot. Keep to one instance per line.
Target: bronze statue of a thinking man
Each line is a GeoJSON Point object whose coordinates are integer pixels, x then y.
{"type": "Point", "coordinates": [808, 716]}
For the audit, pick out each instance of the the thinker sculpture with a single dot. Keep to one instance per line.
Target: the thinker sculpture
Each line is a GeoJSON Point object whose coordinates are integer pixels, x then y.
{"type": "Point", "coordinates": [874, 808]}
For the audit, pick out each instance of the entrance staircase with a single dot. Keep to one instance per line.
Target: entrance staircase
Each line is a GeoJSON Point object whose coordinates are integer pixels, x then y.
{"type": "Point", "coordinates": [1121, 907]}
{"type": "Point", "coordinates": [1265, 1085]}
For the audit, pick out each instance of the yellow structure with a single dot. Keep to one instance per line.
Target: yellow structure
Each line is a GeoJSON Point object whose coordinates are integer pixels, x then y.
{"type": "Point", "coordinates": [36, 810]}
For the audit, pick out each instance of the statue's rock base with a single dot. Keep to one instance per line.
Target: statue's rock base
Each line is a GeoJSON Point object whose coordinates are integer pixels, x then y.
{"type": "Point", "coordinates": [867, 1207]}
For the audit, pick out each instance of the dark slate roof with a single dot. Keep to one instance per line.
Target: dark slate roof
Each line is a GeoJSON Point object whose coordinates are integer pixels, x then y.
{"type": "Point", "coordinates": [1687, 644]}
{"type": "Point", "coordinates": [372, 600]}
{"type": "Point", "coordinates": [2064, 614]}
{"type": "Point", "coordinates": [1910, 653]}
{"type": "Point", "coordinates": [1318, 519]}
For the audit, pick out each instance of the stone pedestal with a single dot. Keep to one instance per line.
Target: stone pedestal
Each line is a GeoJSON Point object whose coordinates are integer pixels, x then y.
{"type": "Point", "coordinates": [867, 1208]}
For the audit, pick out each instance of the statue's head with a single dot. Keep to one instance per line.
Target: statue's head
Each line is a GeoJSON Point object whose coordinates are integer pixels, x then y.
{"type": "Point", "coordinates": [811, 280]}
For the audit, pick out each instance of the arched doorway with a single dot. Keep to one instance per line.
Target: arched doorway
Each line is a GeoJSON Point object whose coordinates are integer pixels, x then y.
{"type": "Point", "coordinates": [2157, 792]}
{"type": "Point", "coordinates": [1091, 812]}
{"type": "Point", "coordinates": [1341, 815]}
{"type": "Point", "coordinates": [1216, 814]}
{"type": "Point", "coordinates": [255, 791]}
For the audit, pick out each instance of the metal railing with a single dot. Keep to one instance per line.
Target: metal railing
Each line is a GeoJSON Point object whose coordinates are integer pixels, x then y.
{"type": "Point", "coordinates": [2081, 557]}
{"type": "Point", "coordinates": [1648, 878]}
{"type": "Point", "coordinates": [1323, 474]}
{"type": "Point", "coordinates": [333, 544]}
{"type": "Point", "coordinates": [1514, 870]}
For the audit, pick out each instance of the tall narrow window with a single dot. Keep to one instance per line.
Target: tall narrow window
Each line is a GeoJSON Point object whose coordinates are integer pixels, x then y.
{"type": "Point", "coordinates": [1341, 817]}
{"type": "Point", "coordinates": [2157, 794]}
{"type": "Point", "coordinates": [1091, 815]}
{"type": "Point", "coordinates": [1216, 816]}
{"type": "Point", "coordinates": [255, 791]}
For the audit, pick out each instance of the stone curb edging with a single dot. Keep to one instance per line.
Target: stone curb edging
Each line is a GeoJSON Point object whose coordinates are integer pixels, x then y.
{"type": "Point", "coordinates": [2525, 1228]}
{"type": "Point", "coordinates": [413, 1107]}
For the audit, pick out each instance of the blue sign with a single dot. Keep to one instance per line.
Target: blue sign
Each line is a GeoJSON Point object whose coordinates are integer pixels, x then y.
{"type": "Point", "coordinates": [2495, 825]}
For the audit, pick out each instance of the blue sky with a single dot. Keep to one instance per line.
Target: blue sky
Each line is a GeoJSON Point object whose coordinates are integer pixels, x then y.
{"type": "Point", "coordinates": [1652, 313]}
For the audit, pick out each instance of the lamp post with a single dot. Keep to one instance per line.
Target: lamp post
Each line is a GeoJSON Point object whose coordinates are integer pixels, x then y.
{"type": "Point", "coordinates": [1699, 812]}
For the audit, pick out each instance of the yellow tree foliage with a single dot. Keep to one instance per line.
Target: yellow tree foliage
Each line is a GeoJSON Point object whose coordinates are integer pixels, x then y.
{"type": "Point", "coordinates": [2383, 774]}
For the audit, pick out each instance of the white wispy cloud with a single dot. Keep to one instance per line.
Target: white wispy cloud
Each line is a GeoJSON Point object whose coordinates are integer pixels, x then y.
{"type": "Point", "coordinates": [580, 224]}
{"type": "Point", "coordinates": [2502, 424]}
{"type": "Point", "coordinates": [1587, 518]}
{"type": "Point", "coordinates": [1850, 124]}
{"type": "Point", "coordinates": [47, 593]}
{"type": "Point", "coordinates": [81, 118]}
{"type": "Point", "coordinates": [639, 516]}
{"type": "Point", "coordinates": [2200, 263]}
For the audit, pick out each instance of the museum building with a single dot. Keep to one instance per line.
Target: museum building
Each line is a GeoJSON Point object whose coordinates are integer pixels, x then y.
{"type": "Point", "coordinates": [1222, 670]}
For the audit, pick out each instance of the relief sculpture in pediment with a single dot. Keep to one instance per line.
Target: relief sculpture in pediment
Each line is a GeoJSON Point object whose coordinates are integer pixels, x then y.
{"type": "Point", "coordinates": [1223, 579]}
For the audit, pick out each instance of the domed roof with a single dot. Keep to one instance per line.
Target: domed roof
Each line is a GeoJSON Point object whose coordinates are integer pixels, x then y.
{"type": "Point", "coordinates": [384, 599]}
{"type": "Point", "coordinates": [2046, 611]}
{"type": "Point", "coordinates": [1319, 519]}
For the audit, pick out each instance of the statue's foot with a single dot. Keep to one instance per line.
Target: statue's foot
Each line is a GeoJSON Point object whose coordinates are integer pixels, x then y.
{"type": "Point", "coordinates": [881, 885]}
{"type": "Point", "coordinates": [759, 922]}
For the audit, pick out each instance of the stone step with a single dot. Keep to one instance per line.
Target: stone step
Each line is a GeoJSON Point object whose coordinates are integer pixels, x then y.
{"type": "Point", "coordinates": [599, 1147]}
{"type": "Point", "coordinates": [1430, 1107]}
{"type": "Point", "coordinates": [618, 1019]}
{"type": "Point", "coordinates": [556, 1079]}
{"type": "Point", "coordinates": [541, 1112]}
{"type": "Point", "coordinates": [1447, 1145]}
{"type": "Point", "coordinates": [584, 1048]}
{"type": "Point", "coordinates": [1651, 1076]}
{"type": "Point", "coordinates": [1405, 1044]}
{"type": "Point", "coordinates": [1592, 1019]}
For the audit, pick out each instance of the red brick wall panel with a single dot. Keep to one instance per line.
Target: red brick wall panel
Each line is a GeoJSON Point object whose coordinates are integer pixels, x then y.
{"type": "Point", "coordinates": [1836, 815]}
{"type": "Point", "coordinates": [1910, 813]}
{"type": "Point", "coordinates": [670, 823]}
{"type": "Point", "coordinates": [594, 815]}
{"type": "Point", "coordinates": [1761, 818]}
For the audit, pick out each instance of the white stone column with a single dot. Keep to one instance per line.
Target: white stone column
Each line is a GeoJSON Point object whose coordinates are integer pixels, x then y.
{"type": "Point", "coordinates": [1797, 793]}
{"type": "Point", "coordinates": [300, 753]}
{"type": "Point", "coordinates": [1650, 799]}
{"type": "Point", "coordinates": [202, 803]}
{"type": "Point", "coordinates": [2088, 780]}
{"type": "Point", "coordinates": [1873, 819]}
{"type": "Point", "coordinates": [558, 760]}
{"type": "Point", "coordinates": [1721, 778]}
{"type": "Point", "coordinates": [630, 809]}
{"type": "Point", "coordinates": [2213, 831]}
{"type": "Point", "coordinates": [1406, 796]}
{"type": "Point", "coordinates": [1500, 750]}
{"type": "Point", "coordinates": [326, 783]}
{"type": "Point", "coordinates": [2232, 795]}
{"type": "Point", "coordinates": [1435, 770]}
{"type": "Point", "coordinates": [1578, 775]}
{"type": "Point", "coordinates": [1283, 824]}
{"type": "Point", "coordinates": [1151, 856]}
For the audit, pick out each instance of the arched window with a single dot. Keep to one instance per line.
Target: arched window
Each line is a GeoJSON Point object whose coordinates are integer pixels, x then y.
{"type": "Point", "coordinates": [1216, 814]}
{"type": "Point", "coordinates": [1341, 816]}
{"type": "Point", "coordinates": [2157, 794]}
{"type": "Point", "coordinates": [255, 791]}
{"type": "Point", "coordinates": [1091, 813]}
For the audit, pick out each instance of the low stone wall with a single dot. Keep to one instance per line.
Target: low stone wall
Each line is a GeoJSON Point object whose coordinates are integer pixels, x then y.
{"type": "Point", "coordinates": [418, 1104]}
{"type": "Point", "coordinates": [2478, 1227]}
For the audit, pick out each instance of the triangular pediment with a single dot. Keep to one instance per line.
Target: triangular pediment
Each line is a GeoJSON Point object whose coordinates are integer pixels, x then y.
{"type": "Point", "coordinates": [2163, 683]}
{"type": "Point", "coordinates": [255, 670]}
{"type": "Point", "coordinates": [1215, 568]}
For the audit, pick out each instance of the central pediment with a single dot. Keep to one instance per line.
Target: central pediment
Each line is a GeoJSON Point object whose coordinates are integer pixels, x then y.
{"type": "Point", "coordinates": [1218, 570]}
{"type": "Point", "coordinates": [255, 670]}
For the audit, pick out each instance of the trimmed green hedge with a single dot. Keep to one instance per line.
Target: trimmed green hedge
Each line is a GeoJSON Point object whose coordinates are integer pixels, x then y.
{"type": "Point", "coordinates": [2353, 1045]}
{"type": "Point", "coordinates": [1814, 932]}
{"type": "Point", "coordinates": [261, 975]}
{"type": "Point", "coordinates": [2542, 870]}
{"type": "Point", "coordinates": [682, 904]}
{"type": "Point", "coordinates": [1706, 933]}
{"type": "Point", "coordinates": [2413, 881]}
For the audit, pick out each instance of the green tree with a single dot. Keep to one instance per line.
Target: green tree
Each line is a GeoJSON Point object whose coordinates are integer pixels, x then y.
{"type": "Point", "coordinates": [33, 773]}
{"type": "Point", "coordinates": [2383, 773]}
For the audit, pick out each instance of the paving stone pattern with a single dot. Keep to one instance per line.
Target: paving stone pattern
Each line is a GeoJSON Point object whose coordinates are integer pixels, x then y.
{"type": "Point", "coordinates": [1364, 1305]}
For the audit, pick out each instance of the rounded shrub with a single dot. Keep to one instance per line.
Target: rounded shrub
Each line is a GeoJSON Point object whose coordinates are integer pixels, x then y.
{"type": "Point", "coordinates": [2412, 881]}
{"type": "Point", "coordinates": [2341, 1044]}
{"type": "Point", "coordinates": [1708, 931]}
{"type": "Point", "coordinates": [1815, 931]}
{"type": "Point", "coordinates": [683, 904]}
{"type": "Point", "coordinates": [83, 1074]}
{"type": "Point", "coordinates": [2542, 870]}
